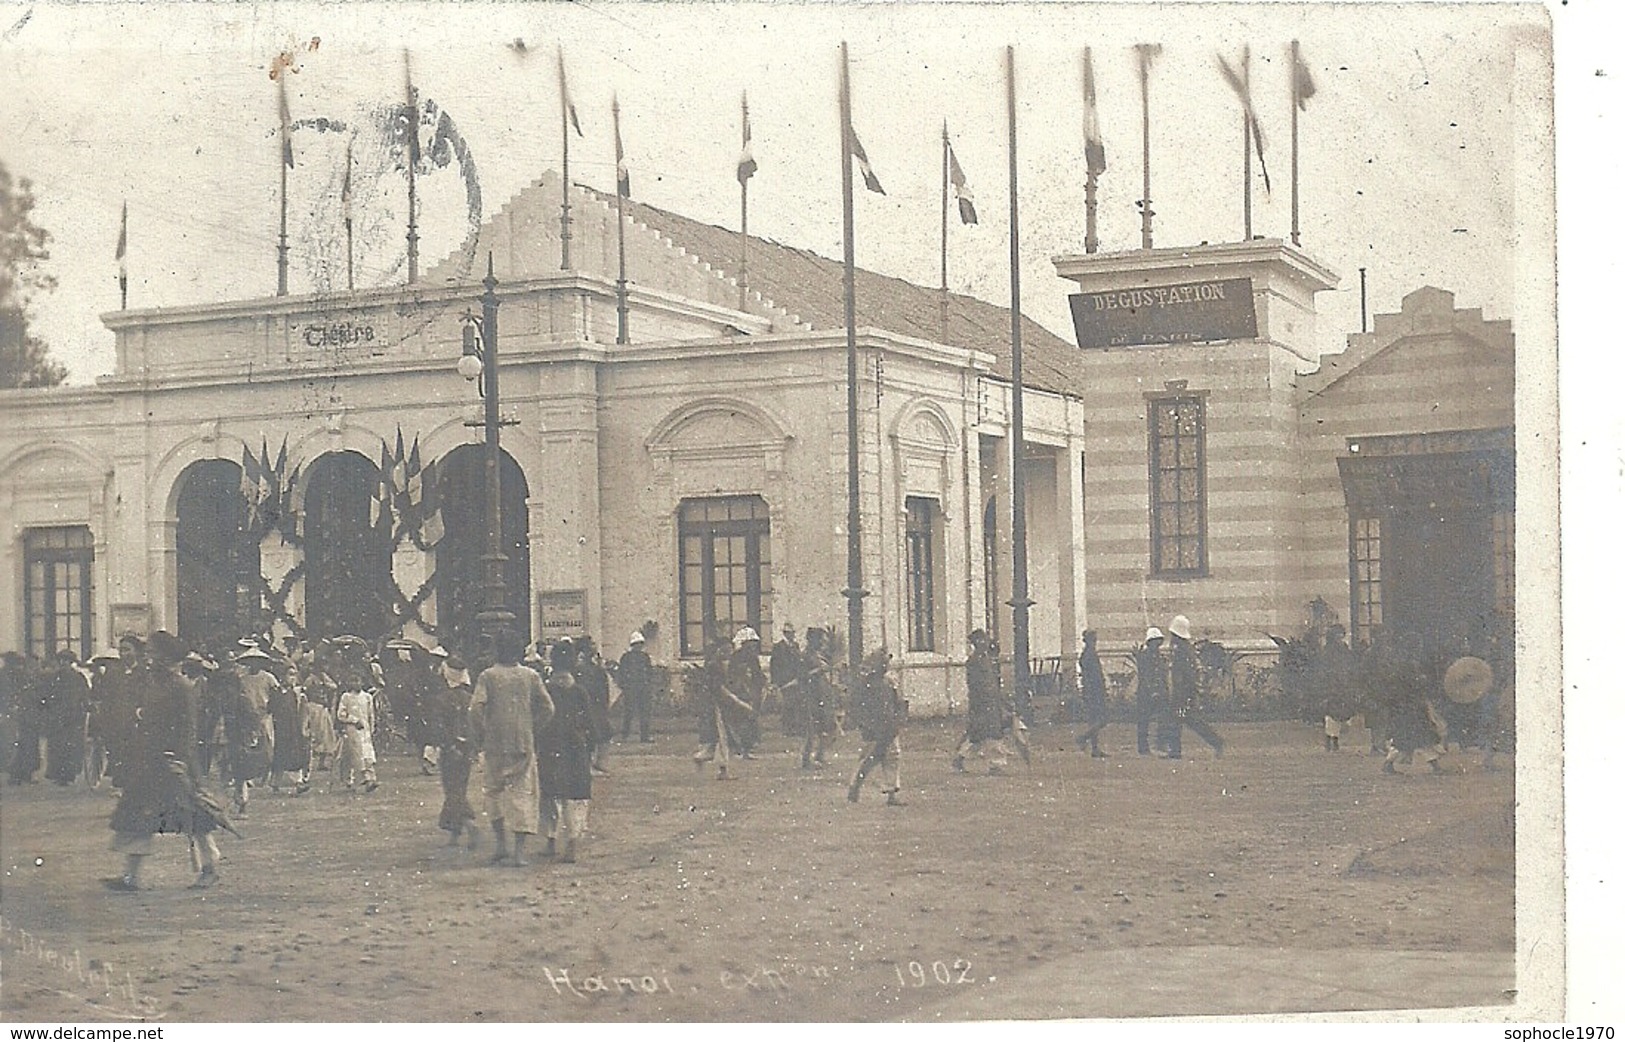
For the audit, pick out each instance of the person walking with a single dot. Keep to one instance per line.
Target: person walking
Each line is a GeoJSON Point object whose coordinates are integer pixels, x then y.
{"type": "Point", "coordinates": [357, 717]}
{"type": "Point", "coordinates": [247, 694]}
{"type": "Point", "coordinates": [986, 711]}
{"type": "Point", "coordinates": [290, 745]}
{"type": "Point", "coordinates": [160, 790]}
{"type": "Point", "coordinates": [1150, 687]}
{"type": "Point", "coordinates": [821, 703]}
{"type": "Point", "coordinates": [67, 700]}
{"type": "Point", "coordinates": [508, 707]}
{"type": "Point", "coordinates": [564, 752]}
{"type": "Point", "coordinates": [784, 672]}
{"type": "Point", "coordinates": [719, 710]}
{"type": "Point", "coordinates": [635, 675]}
{"type": "Point", "coordinates": [454, 736]}
{"type": "Point", "coordinates": [1185, 691]}
{"type": "Point", "coordinates": [879, 711]}
{"type": "Point", "coordinates": [594, 680]}
{"type": "Point", "coordinates": [747, 684]}
{"type": "Point", "coordinates": [1092, 694]}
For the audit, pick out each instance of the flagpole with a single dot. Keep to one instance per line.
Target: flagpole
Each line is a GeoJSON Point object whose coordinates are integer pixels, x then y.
{"type": "Point", "coordinates": [123, 249]}
{"type": "Point", "coordinates": [623, 323]}
{"type": "Point", "coordinates": [854, 592]}
{"type": "Point", "coordinates": [1091, 240]}
{"type": "Point", "coordinates": [282, 165]}
{"type": "Point", "coordinates": [1296, 59]}
{"type": "Point", "coordinates": [564, 126]}
{"type": "Point", "coordinates": [1019, 601]}
{"type": "Point", "coordinates": [412, 153]}
{"type": "Point", "coordinates": [943, 301]}
{"type": "Point", "coordinates": [744, 205]}
{"type": "Point", "coordinates": [349, 215]}
{"type": "Point", "coordinates": [1246, 178]}
{"type": "Point", "coordinates": [1091, 184]}
{"type": "Point", "coordinates": [1146, 51]}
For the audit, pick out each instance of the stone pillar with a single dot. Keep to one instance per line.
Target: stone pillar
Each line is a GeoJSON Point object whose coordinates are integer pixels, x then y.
{"type": "Point", "coordinates": [1069, 554]}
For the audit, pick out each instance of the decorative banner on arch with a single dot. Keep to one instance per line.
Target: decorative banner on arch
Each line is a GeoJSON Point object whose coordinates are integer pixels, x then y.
{"type": "Point", "coordinates": [1187, 312]}
{"type": "Point", "coordinates": [268, 490]}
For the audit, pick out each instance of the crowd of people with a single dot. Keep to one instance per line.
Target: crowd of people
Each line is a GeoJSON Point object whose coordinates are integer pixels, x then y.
{"type": "Point", "coordinates": [160, 718]}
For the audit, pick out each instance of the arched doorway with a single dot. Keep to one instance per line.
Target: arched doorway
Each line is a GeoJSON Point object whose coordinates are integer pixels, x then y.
{"type": "Point", "coordinates": [459, 567]}
{"type": "Point", "coordinates": [217, 561]}
{"type": "Point", "coordinates": [347, 557]}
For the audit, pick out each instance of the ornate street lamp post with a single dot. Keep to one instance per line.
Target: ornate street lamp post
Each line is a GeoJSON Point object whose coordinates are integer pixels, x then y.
{"type": "Point", "coordinates": [479, 361]}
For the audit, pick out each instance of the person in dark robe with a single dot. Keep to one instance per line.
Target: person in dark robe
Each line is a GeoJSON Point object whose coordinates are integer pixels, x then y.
{"type": "Point", "coordinates": [160, 790]}
{"type": "Point", "coordinates": [564, 747]}
{"type": "Point", "coordinates": [454, 734]}
{"type": "Point", "coordinates": [67, 700]}
{"type": "Point", "coordinates": [290, 747]}
{"type": "Point", "coordinates": [1150, 687]}
{"type": "Point", "coordinates": [1091, 695]}
{"type": "Point", "coordinates": [29, 714]}
{"type": "Point", "coordinates": [784, 671]}
{"type": "Point", "coordinates": [987, 710]}
{"type": "Point", "coordinates": [594, 680]}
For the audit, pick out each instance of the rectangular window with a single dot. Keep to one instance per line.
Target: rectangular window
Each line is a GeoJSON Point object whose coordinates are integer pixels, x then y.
{"type": "Point", "coordinates": [1503, 532]}
{"type": "Point", "coordinates": [1365, 576]}
{"type": "Point", "coordinates": [923, 533]}
{"type": "Point", "coordinates": [57, 601]}
{"type": "Point", "coordinates": [724, 569]}
{"type": "Point", "coordinates": [1178, 466]}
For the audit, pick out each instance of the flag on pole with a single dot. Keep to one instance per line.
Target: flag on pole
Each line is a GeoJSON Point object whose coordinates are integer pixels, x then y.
{"type": "Point", "coordinates": [747, 158]}
{"type": "Point", "coordinates": [433, 528]}
{"type": "Point", "coordinates": [414, 148]}
{"type": "Point", "coordinates": [346, 193]}
{"type": "Point", "coordinates": [564, 94]}
{"type": "Point", "coordinates": [962, 192]}
{"type": "Point", "coordinates": [250, 487]}
{"type": "Point", "coordinates": [623, 178]}
{"type": "Point", "coordinates": [123, 239]}
{"type": "Point", "coordinates": [1094, 146]}
{"type": "Point", "coordinates": [412, 487]}
{"type": "Point", "coordinates": [1303, 84]}
{"type": "Point", "coordinates": [380, 493]}
{"type": "Point", "coordinates": [1242, 83]}
{"type": "Point", "coordinates": [267, 488]}
{"type": "Point", "coordinates": [870, 181]}
{"type": "Point", "coordinates": [282, 111]}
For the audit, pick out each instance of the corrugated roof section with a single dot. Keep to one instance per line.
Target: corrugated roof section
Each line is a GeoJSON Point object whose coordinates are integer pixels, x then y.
{"type": "Point", "coordinates": [810, 286]}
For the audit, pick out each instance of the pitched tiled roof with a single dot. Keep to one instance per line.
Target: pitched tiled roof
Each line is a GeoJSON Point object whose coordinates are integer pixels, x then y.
{"type": "Point", "coordinates": [810, 286]}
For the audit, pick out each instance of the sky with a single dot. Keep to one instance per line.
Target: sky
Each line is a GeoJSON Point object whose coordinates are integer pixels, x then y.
{"type": "Point", "coordinates": [171, 109]}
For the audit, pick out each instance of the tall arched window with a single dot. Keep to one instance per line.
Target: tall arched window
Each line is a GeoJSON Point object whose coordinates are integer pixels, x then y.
{"type": "Point", "coordinates": [724, 573]}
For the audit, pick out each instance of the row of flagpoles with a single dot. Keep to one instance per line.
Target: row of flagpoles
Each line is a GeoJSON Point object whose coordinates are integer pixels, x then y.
{"type": "Point", "coordinates": [955, 186]}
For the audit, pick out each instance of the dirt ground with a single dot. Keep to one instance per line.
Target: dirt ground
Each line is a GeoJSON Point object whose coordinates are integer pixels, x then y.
{"type": "Point", "coordinates": [1280, 878]}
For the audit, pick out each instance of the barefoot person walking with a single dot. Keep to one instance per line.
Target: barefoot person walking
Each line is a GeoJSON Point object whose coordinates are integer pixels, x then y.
{"type": "Point", "coordinates": [508, 708]}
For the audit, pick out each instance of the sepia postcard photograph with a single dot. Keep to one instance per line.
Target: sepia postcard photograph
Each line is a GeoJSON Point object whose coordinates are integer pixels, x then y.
{"type": "Point", "coordinates": [645, 513]}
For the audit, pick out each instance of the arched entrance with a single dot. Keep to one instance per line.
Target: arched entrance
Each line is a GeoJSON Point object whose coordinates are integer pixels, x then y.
{"type": "Point", "coordinates": [459, 568]}
{"type": "Point", "coordinates": [347, 557]}
{"type": "Point", "coordinates": [217, 561]}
